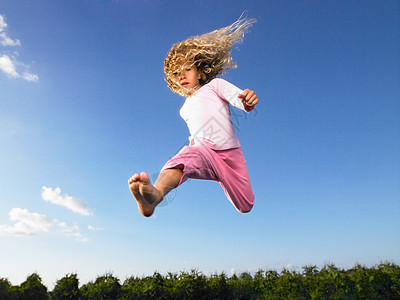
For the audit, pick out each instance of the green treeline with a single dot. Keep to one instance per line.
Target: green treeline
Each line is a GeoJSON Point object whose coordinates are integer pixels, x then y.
{"type": "Point", "coordinates": [378, 282]}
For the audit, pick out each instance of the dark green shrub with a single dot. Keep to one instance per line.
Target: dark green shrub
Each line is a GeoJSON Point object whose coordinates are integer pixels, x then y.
{"type": "Point", "coordinates": [7, 291]}
{"type": "Point", "coordinates": [105, 287]}
{"type": "Point", "coordinates": [378, 282]}
{"type": "Point", "coordinates": [151, 287]}
{"type": "Point", "coordinates": [67, 288]}
{"type": "Point", "coordinates": [33, 289]}
{"type": "Point", "coordinates": [191, 285]}
{"type": "Point", "coordinates": [218, 287]}
{"type": "Point", "coordinates": [242, 286]}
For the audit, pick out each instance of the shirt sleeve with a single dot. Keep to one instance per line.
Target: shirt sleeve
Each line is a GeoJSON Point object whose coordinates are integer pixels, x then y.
{"type": "Point", "coordinates": [230, 93]}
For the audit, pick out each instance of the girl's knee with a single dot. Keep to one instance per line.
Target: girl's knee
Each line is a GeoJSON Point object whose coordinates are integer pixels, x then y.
{"type": "Point", "coordinates": [245, 210]}
{"type": "Point", "coordinates": [245, 207]}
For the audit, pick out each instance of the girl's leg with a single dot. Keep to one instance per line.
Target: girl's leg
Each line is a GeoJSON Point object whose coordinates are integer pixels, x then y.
{"type": "Point", "coordinates": [148, 196]}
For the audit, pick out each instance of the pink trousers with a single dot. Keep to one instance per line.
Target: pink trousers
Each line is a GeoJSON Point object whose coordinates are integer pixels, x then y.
{"type": "Point", "coordinates": [228, 167]}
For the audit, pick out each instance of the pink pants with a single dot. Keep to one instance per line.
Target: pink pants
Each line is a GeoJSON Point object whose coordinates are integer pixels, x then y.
{"type": "Point", "coordinates": [228, 167]}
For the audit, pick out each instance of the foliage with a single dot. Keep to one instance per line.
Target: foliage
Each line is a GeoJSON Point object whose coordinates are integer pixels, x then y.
{"type": "Point", "coordinates": [33, 289]}
{"type": "Point", "coordinates": [67, 288]}
{"type": "Point", "coordinates": [6, 290]}
{"type": "Point", "coordinates": [329, 282]}
{"type": "Point", "coordinates": [105, 287]}
{"type": "Point", "coordinates": [151, 287]}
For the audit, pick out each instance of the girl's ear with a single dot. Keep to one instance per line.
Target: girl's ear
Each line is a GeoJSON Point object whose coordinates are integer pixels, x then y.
{"type": "Point", "coordinates": [201, 75]}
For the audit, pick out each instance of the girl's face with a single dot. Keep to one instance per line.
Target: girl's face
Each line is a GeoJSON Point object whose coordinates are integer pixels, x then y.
{"type": "Point", "coordinates": [188, 78]}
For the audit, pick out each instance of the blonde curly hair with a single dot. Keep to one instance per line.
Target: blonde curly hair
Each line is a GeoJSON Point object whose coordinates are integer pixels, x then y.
{"type": "Point", "coordinates": [210, 53]}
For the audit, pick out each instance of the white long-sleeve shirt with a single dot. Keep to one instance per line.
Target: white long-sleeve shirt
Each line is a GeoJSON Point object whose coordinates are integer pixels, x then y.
{"type": "Point", "coordinates": [207, 115]}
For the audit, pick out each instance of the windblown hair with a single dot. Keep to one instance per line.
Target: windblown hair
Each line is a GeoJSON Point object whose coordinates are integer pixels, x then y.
{"type": "Point", "coordinates": [210, 53]}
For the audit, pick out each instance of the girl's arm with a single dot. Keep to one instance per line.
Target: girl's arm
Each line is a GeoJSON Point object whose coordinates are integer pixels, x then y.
{"type": "Point", "coordinates": [249, 99]}
{"type": "Point", "coordinates": [241, 99]}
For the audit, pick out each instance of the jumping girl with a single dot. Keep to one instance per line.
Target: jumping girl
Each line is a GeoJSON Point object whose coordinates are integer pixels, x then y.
{"type": "Point", "coordinates": [214, 152]}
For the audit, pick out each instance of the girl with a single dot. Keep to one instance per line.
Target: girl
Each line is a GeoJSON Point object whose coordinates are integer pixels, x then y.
{"type": "Point", "coordinates": [214, 153]}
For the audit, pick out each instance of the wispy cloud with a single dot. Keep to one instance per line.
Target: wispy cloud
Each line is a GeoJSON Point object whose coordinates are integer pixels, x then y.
{"type": "Point", "coordinates": [90, 227]}
{"type": "Point", "coordinates": [29, 224]}
{"type": "Point", "coordinates": [5, 40]}
{"type": "Point", "coordinates": [71, 231]}
{"type": "Point", "coordinates": [30, 77]}
{"type": "Point", "coordinates": [3, 23]}
{"type": "Point", "coordinates": [8, 63]}
{"type": "Point", "coordinates": [8, 66]}
{"type": "Point", "coordinates": [69, 202]}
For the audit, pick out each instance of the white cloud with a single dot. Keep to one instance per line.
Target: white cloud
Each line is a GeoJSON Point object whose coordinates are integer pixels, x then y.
{"type": "Point", "coordinates": [7, 63]}
{"type": "Point", "coordinates": [90, 227]}
{"type": "Point", "coordinates": [30, 77]}
{"type": "Point", "coordinates": [69, 202]}
{"type": "Point", "coordinates": [8, 67]}
{"type": "Point", "coordinates": [3, 23]}
{"type": "Point", "coordinates": [71, 231]}
{"type": "Point", "coordinates": [27, 223]}
{"type": "Point", "coordinates": [5, 40]}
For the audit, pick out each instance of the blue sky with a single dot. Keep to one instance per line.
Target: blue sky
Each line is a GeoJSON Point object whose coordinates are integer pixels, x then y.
{"type": "Point", "coordinates": [84, 106]}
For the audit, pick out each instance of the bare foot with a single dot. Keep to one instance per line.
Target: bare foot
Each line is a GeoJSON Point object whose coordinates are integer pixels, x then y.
{"type": "Point", "coordinates": [146, 195]}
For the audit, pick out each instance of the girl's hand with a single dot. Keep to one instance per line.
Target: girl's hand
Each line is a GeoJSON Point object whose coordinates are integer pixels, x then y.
{"type": "Point", "coordinates": [249, 99]}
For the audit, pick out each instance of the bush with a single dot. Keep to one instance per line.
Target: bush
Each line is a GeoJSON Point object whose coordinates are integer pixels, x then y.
{"type": "Point", "coordinates": [67, 288]}
{"type": "Point", "coordinates": [219, 288]}
{"type": "Point", "coordinates": [151, 287]}
{"type": "Point", "coordinates": [378, 282]}
{"type": "Point", "coordinates": [191, 285]}
{"type": "Point", "coordinates": [7, 292]}
{"type": "Point", "coordinates": [33, 289]}
{"type": "Point", "coordinates": [105, 287]}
